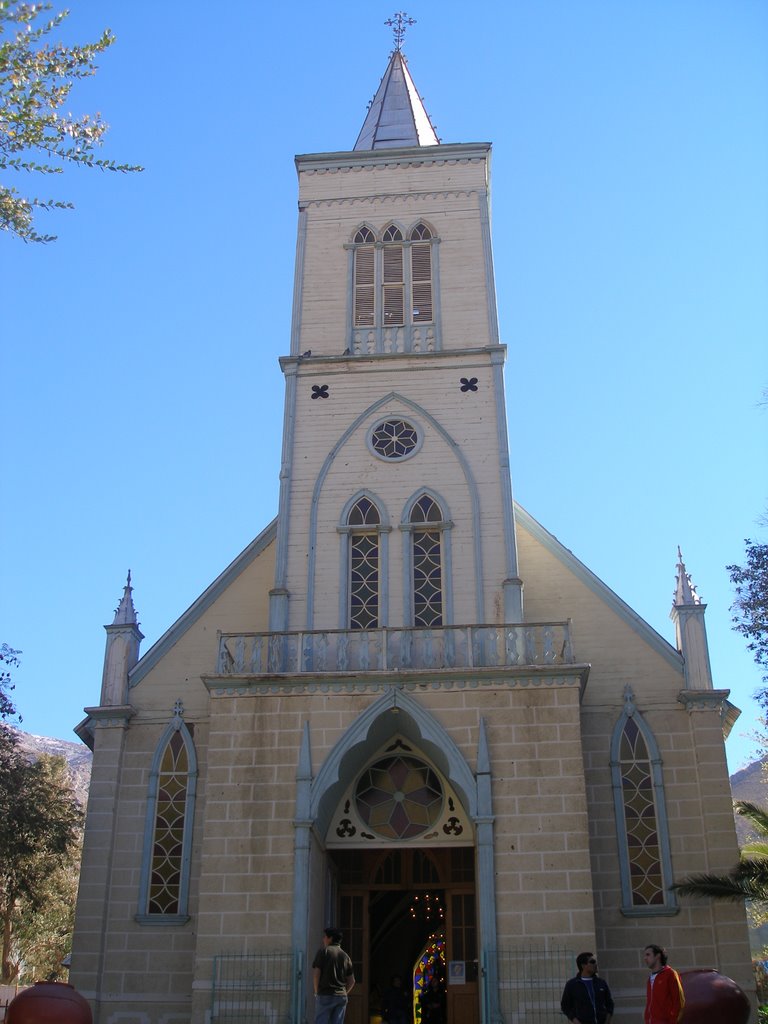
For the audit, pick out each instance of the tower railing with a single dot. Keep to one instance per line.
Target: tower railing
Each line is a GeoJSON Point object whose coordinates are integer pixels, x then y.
{"type": "Point", "coordinates": [393, 649]}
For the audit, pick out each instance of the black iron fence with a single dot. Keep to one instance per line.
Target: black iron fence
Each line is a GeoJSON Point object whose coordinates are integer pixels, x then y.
{"type": "Point", "coordinates": [256, 988]}
{"type": "Point", "coordinates": [524, 984]}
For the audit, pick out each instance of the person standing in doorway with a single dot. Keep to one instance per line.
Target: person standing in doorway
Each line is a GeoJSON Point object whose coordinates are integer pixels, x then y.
{"type": "Point", "coordinates": [664, 999]}
{"type": "Point", "coordinates": [587, 998]}
{"type": "Point", "coordinates": [333, 977]}
{"type": "Point", "coordinates": [394, 1005]}
{"type": "Point", "coordinates": [432, 1002]}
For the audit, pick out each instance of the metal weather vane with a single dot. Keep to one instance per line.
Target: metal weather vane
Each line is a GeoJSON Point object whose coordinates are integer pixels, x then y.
{"type": "Point", "coordinates": [399, 23]}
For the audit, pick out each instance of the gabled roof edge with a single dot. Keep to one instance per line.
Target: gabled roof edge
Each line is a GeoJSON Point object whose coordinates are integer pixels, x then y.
{"type": "Point", "coordinates": [602, 590]}
{"type": "Point", "coordinates": [171, 636]}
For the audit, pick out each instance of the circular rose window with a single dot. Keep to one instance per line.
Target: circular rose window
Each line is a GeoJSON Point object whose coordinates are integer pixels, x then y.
{"type": "Point", "coordinates": [394, 439]}
{"type": "Point", "coordinates": [399, 797]}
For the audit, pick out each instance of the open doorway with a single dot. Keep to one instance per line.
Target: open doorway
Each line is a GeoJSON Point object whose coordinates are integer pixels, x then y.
{"type": "Point", "coordinates": [409, 912]}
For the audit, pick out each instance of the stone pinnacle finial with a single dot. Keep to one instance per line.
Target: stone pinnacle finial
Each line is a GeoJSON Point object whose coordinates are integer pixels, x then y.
{"type": "Point", "coordinates": [125, 613]}
{"type": "Point", "coordinates": [399, 23]}
{"type": "Point", "coordinates": [685, 591]}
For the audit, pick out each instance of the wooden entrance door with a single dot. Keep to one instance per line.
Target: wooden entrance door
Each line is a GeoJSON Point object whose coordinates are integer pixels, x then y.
{"type": "Point", "coordinates": [380, 896]}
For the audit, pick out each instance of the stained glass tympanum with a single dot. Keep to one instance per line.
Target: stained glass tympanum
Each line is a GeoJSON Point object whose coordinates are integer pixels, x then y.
{"type": "Point", "coordinates": [399, 797]}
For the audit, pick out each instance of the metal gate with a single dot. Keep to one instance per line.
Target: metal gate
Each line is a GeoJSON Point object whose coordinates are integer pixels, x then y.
{"type": "Point", "coordinates": [257, 988]}
{"type": "Point", "coordinates": [526, 984]}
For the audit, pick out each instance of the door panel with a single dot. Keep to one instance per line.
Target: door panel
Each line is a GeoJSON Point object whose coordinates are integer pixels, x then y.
{"type": "Point", "coordinates": [353, 923]}
{"type": "Point", "coordinates": [463, 999]}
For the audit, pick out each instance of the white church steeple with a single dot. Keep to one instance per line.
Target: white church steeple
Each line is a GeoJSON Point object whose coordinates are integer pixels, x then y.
{"type": "Point", "coordinates": [396, 116]}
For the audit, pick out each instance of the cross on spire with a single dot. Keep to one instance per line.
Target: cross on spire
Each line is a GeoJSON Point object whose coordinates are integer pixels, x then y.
{"type": "Point", "coordinates": [399, 23]}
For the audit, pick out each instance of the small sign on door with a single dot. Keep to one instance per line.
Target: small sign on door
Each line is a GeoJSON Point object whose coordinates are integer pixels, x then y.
{"type": "Point", "coordinates": [457, 974]}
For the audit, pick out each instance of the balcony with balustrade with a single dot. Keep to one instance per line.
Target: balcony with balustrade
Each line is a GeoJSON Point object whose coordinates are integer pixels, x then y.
{"type": "Point", "coordinates": [418, 654]}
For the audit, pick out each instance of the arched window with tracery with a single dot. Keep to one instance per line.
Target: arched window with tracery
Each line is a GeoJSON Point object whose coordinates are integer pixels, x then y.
{"type": "Point", "coordinates": [641, 820]}
{"type": "Point", "coordinates": [164, 887]}
{"type": "Point", "coordinates": [427, 561]}
{"type": "Point", "coordinates": [364, 564]}
{"type": "Point", "coordinates": [426, 518]}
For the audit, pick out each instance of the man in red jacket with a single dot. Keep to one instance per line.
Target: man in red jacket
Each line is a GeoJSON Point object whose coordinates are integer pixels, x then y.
{"type": "Point", "coordinates": [664, 999]}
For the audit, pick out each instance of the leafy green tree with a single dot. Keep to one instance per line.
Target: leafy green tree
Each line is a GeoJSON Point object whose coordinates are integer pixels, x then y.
{"type": "Point", "coordinates": [40, 827]}
{"type": "Point", "coordinates": [751, 605]}
{"type": "Point", "coordinates": [36, 77]}
{"type": "Point", "coordinates": [42, 936]}
{"type": "Point", "coordinates": [748, 880]}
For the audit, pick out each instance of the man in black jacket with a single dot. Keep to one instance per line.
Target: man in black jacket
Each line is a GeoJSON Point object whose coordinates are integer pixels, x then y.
{"type": "Point", "coordinates": [587, 998]}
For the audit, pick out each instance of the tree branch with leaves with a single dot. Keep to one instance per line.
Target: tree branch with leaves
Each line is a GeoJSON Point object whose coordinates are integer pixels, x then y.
{"type": "Point", "coordinates": [750, 608]}
{"type": "Point", "coordinates": [36, 77]}
{"type": "Point", "coordinates": [40, 829]}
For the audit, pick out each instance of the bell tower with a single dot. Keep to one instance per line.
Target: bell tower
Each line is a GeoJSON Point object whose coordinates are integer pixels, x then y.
{"type": "Point", "coordinates": [395, 502]}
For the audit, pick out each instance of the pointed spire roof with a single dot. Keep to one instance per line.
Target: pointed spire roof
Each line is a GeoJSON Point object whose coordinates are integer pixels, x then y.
{"type": "Point", "coordinates": [396, 116]}
{"type": "Point", "coordinates": [125, 614]}
{"type": "Point", "coordinates": [685, 591]}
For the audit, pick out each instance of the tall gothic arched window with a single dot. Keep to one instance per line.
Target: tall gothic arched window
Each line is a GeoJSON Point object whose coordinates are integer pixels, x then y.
{"type": "Point", "coordinates": [427, 560]}
{"type": "Point", "coordinates": [641, 820]}
{"type": "Point", "coordinates": [164, 888]}
{"type": "Point", "coordinates": [427, 563]}
{"type": "Point", "coordinates": [364, 564]}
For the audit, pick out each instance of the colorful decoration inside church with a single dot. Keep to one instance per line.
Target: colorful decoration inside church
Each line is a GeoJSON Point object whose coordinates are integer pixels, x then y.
{"type": "Point", "coordinates": [431, 963]}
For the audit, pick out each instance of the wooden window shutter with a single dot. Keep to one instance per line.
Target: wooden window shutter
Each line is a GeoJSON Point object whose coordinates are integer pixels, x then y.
{"type": "Point", "coordinates": [421, 276]}
{"type": "Point", "coordinates": [393, 290]}
{"type": "Point", "coordinates": [364, 287]}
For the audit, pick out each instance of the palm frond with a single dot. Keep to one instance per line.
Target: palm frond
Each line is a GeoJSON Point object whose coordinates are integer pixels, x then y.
{"type": "Point", "coordinates": [716, 887]}
{"type": "Point", "coordinates": [748, 880]}
{"type": "Point", "coordinates": [758, 816]}
{"type": "Point", "coordinates": [757, 849]}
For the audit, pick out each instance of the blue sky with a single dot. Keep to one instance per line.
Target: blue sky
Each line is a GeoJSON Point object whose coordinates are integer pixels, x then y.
{"type": "Point", "coordinates": [142, 396]}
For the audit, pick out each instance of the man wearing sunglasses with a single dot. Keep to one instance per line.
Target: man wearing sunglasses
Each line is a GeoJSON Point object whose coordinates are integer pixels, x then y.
{"type": "Point", "coordinates": [587, 998]}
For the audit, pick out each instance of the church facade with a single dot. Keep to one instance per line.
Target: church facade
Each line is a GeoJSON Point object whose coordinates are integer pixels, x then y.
{"type": "Point", "coordinates": [405, 709]}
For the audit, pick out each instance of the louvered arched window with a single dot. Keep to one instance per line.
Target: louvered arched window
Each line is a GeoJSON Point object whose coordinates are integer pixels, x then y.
{"type": "Point", "coordinates": [421, 274]}
{"type": "Point", "coordinates": [394, 306]}
{"type": "Point", "coordinates": [393, 278]}
{"type": "Point", "coordinates": [641, 820]}
{"type": "Point", "coordinates": [164, 890]}
{"type": "Point", "coordinates": [365, 280]}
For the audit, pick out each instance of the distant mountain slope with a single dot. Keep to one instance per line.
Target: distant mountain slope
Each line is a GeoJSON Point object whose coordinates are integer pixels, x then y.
{"type": "Point", "coordinates": [751, 784]}
{"type": "Point", "coordinates": [77, 756]}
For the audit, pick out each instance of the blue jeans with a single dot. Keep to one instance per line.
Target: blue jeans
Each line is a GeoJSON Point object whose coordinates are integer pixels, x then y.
{"type": "Point", "coordinates": [330, 1009]}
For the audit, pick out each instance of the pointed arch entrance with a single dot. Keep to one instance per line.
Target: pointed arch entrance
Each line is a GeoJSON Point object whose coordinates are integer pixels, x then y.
{"type": "Point", "coordinates": [399, 871]}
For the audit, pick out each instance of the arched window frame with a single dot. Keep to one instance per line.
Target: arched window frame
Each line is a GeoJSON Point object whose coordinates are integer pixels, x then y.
{"type": "Point", "coordinates": [346, 532]}
{"type": "Point", "coordinates": [176, 725]}
{"type": "Point", "coordinates": [385, 328]}
{"type": "Point", "coordinates": [444, 527]}
{"type": "Point", "coordinates": [628, 907]}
